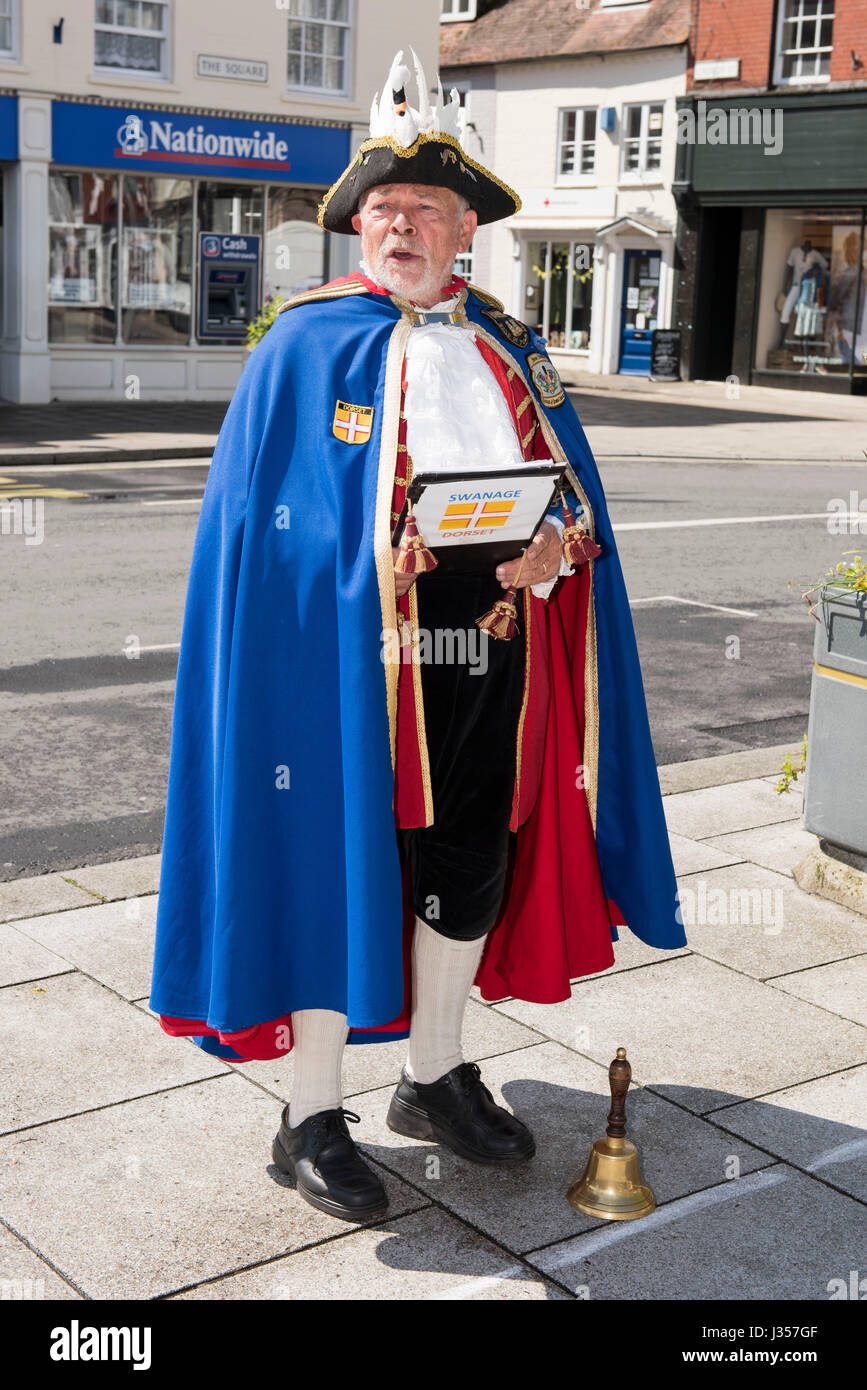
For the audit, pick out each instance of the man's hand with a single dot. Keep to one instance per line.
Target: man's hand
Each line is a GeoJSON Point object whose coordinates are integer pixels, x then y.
{"type": "Point", "coordinates": [402, 582]}
{"type": "Point", "coordinates": [542, 560]}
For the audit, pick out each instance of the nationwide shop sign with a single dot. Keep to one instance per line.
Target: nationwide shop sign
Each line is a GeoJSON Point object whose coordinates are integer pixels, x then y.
{"type": "Point", "coordinates": [171, 142]}
{"type": "Point", "coordinates": [8, 127]}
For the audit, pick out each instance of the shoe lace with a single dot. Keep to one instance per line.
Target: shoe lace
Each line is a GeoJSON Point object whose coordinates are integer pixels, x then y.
{"type": "Point", "coordinates": [470, 1076]}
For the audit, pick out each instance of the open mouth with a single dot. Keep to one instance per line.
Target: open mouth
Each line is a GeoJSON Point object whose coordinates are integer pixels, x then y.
{"type": "Point", "coordinates": [403, 257]}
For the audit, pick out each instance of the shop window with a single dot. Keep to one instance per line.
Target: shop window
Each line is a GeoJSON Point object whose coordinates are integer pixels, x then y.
{"type": "Point", "coordinates": [296, 247]}
{"type": "Point", "coordinates": [131, 36]}
{"type": "Point", "coordinates": [318, 45]}
{"type": "Point", "coordinates": [812, 293]}
{"type": "Point", "coordinates": [235, 209]}
{"type": "Point", "coordinates": [156, 273]}
{"type": "Point", "coordinates": [576, 148]}
{"type": "Point", "coordinates": [558, 293]}
{"type": "Point", "coordinates": [8, 28]}
{"type": "Point", "coordinates": [82, 257]}
{"type": "Point", "coordinates": [642, 138]}
{"type": "Point", "coordinates": [463, 265]}
{"type": "Point", "coordinates": [804, 41]}
{"type": "Point", "coordinates": [453, 10]}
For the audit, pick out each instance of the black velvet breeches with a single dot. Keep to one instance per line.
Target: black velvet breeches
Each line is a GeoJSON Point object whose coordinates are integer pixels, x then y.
{"type": "Point", "coordinates": [458, 866]}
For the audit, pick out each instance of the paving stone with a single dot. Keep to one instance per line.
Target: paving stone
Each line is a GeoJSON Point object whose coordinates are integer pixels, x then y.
{"type": "Point", "coordinates": [148, 1197]}
{"type": "Point", "coordinates": [713, 811]}
{"type": "Point", "coordinates": [841, 987]}
{"type": "Point", "coordinates": [689, 856]}
{"type": "Point", "coordinates": [770, 1235]}
{"type": "Point", "coordinates": [564, 1098]}
{"type": "Point", "coordinates": [25, 897]}
{"type": "Point", "coordinates": [125, 878]}
{"type": "Point", "coordinates": [427, 1255]}
{"type": "Point", "coordinates": [698, 1032]}
{"type": "Point", "coordinates": [821, 1126]}
{"type": "Point", "coordinates": [763, 924]}
{"type": "Point", "coordinates": [369, 1066]}
{"type": "Point", "coordinates": [778, 847]}
{"type": "Point", "coordinates": [725, 767]}
{"type": "Point", "coordinates": [23, 959]}
{"type": "Point", "coordinates": [75, 1045]}
{"type": "Point", "coordinates": [26, 1278]}
{"type": "Point", "coordinates": [113, 942]}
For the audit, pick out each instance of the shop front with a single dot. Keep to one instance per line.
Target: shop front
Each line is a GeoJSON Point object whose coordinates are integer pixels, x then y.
{"type": "Point", "coordinates": [774, 283]}
{"type": "Point", "coordinates": [161, 248]}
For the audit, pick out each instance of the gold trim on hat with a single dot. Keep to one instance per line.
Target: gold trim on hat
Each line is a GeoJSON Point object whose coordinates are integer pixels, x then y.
{"type": "Point", "coordinates": [379, 142]}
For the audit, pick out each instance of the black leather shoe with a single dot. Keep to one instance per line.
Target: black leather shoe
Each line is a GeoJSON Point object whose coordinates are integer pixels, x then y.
{"type": "Point", "coordinates": [459, 1111]}
{"type": "Point", "coordinates": [328, 1170]}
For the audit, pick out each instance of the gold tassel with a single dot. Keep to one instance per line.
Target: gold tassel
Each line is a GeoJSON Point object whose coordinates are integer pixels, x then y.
{"type": "Point", "coordinates": [413, 556]}
{"type": "Point", "coordinates": [577, 544]}
{"type": "Point", "coordinates": [502, 620]}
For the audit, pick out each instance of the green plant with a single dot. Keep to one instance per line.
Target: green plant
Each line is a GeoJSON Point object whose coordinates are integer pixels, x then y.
{"type": "Point", "coordinates": [262, 322]}
{"type": "Point", "coordinates": [791, 771]}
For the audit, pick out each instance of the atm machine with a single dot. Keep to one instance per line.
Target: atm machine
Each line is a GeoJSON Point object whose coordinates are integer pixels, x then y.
{"type": "Point", "coordinates": [230, 277]}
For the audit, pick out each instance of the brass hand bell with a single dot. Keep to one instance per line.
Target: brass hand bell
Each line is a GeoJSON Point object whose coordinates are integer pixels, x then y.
{"type": "Point", "coordinates": [612, 1188]}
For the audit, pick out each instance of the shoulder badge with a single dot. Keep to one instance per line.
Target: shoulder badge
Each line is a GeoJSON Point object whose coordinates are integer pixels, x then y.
{"type": "Point", "coordinates": [486, 298]}
{"type": "Point", "coordinates": [517, 333]}
{"type": "Point", "coordinates": [546, 379]}
{"type": "Point", "coordinates": [352, 423]}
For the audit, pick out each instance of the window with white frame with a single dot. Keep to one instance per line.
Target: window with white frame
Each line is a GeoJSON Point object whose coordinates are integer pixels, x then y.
{"type": "Point", "coordinates": [804, 40]}
{"type": "Point", "coordinates": [8, 28]}
{"type": "Point", "coordinates": [318, 58]}
{"type": "Point", "coordinates": [131, 36]}
{"type": "Point", "coordinates": [452, 10]}
{"type": "Point", "coordinates": [576, 144]}
{"type": "Point", "coordinates": [642, 138]}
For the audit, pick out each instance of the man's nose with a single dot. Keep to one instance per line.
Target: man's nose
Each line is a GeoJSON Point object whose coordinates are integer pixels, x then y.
{"type": "Point", "coordinates": [402, 224]}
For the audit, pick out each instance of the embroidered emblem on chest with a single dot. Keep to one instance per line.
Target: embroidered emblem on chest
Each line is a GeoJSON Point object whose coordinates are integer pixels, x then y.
{"type": "Point", "coordinates": [546, 380]}
{"type": "Point", "coordinates": [517, 333]}
{"type": "Point", "coordinates": [352, 423]}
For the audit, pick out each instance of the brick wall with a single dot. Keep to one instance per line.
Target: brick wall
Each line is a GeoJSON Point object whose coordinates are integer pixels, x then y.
{"type": "Point", "coordinates": [745, 29]}
{"type": "Point", "coordinates": [850, 32]}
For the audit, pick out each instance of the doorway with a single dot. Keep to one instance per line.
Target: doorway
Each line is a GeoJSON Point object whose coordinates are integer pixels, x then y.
{"type": "Point", "coordinates": [639, 310]}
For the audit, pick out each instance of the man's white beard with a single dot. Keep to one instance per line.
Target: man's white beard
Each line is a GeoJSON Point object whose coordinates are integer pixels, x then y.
{"type": "Point", "coordinates": [389, 274]}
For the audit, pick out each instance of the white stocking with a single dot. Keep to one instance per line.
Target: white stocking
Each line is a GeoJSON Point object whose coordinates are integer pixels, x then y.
{"type": "Point", "coordinates": [319, 1036]}
{"type": "Point", "coordinates": [442, 976]}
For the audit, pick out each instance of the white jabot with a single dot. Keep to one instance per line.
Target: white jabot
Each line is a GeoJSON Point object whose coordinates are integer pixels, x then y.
{"type": "Point", "coordinates": [456, 414]}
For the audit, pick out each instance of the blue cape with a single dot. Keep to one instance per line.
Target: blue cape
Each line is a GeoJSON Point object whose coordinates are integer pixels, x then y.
{"type": "Point", "coordinates": [280, 885]}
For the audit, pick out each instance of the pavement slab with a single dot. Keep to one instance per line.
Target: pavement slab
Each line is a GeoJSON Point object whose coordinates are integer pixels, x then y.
{"type": "Point", "coordinates": [820, 1126]}
{"type": "Point", "coordinates": [26, 1278]}
{"type": "Point", "coordinates": [763, 924]}
{"type": "Point", "coordinates": [23, 897]}
{"type": "Point", "coordinates": [125, 878]}
{"type": "Point", "coordinates": [703, 1032]}
{"type": "Point", "coordinates": [778, 847]}
{"type": "Point", "coordinates": [366, 1067]}
{"type": "Point", "coordinates": [427, 1255]}
{"type": "Point", "coordinates": [840, 987]}
{"type": "Point", "coordinates": [564, 1098]}
{"type": "Point", "coordinates": [691, 856]}
{"type": "Point", "coordinates": [145, 1198]}
{"type": "Point", "coordinates": [713, 811]}
{"type": "Point", "coordinates": [22, 959]}
{"type": "Point", "coordinates": [725, 767]}
{"type": "Point", "coordinates": [768, 1235]}
{"type": "Point", "coordinates": [113, 942]}
{"type": "Point", "coordinates": [74, 1045]}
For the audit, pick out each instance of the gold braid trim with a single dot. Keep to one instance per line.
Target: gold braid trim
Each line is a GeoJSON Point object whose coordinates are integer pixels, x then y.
{"type": "Point", "coordinates": [323, 292]}
{"type": "Point", "coordinates": [380, 142]}
{"type": "Point", "coordinates": [488, 298]}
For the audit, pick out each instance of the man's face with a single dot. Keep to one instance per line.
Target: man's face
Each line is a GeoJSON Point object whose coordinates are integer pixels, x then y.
{"type": "Point", "coordinates": [410, 235]}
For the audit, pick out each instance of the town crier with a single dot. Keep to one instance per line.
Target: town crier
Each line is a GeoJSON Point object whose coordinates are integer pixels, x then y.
{"type": "Point", "coordinates": [362, 819]}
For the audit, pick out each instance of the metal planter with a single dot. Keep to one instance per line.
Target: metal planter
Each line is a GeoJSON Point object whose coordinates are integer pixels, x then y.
{"type": "Point", "coordinates": [835, 794]}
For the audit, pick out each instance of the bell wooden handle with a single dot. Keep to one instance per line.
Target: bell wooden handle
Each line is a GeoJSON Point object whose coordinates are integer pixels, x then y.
{"type": "Point", "coordinates": [619, 1077]}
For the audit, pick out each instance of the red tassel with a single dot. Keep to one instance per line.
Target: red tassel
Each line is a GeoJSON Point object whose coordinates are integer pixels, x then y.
{"type": "Point", "coordinates": [502, 620]}
{"type": "Point", "coordinates": [577, 544]}
{"type": "Point", "coordinates": [414, 556]}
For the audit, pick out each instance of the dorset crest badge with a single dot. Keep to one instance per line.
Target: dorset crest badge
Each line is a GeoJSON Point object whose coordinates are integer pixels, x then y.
{"type": "Point", "coordinates": [546, 380]}
{"type": "Point", "coordinates": [352, 423]}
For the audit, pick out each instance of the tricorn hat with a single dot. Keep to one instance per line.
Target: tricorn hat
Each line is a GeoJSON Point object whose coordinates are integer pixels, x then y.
{"type": "Point", "coordinates": [415, 146]}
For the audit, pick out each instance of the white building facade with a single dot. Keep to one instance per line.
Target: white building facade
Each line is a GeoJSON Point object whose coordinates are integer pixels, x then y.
{"type": "Point", "coordinates": [161, 166]}
{"type": "Point", "coordinates": [589, 144]}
